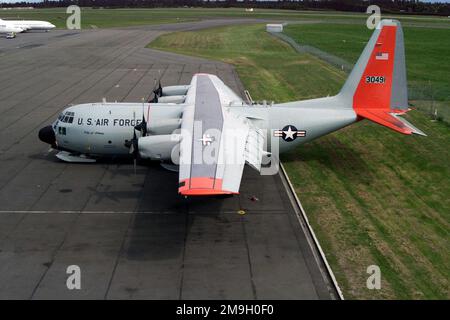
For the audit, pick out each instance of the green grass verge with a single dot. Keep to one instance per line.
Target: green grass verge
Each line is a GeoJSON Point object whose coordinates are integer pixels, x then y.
{"type": "Point", "coordinates": [426, 49]}
{"type": "Point", "coordinates": [99, 18]}
{"type": "Point", "coordinates": [270, 69]}
{"type": "Point", "coordinates": [373, 196]}
{"type": "Point", "coordinates": [104, 18]}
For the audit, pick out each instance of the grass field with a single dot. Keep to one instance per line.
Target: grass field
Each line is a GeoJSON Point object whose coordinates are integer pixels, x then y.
{"type": "Point", "coordinates": [373, 196]}
{"type": "Point", "coordinates": [105, 18]}
{"type": "Point", "coordinates": [427, 50]}
{"type": "Point", "coordinates": [100, 18]}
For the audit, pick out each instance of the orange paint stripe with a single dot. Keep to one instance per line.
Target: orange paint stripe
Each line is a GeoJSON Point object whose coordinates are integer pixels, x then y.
{"type": "Point", "coordinates": [202, 186]}
{"type": "Point", "coordinates": [373, 95]}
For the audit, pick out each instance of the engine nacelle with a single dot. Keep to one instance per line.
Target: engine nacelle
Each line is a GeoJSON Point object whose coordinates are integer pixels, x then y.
{"type": "Point", "coordinates": [163, 126]}
{"type": "Point", "coordinates": [160, 147]}
{"type": "Point", "coordinates": [172, 99]}
{"type": "Point", "coordinates": [175, 90]}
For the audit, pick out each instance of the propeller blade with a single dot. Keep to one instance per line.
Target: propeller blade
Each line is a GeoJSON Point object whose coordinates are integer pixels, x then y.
{"type": "Point", "coordinates": [142, 126]}
{"type": "Point", "coordinates": [154, 99]}
{"type": "Point", "coordinates": [133, 146]}
{"type": "Point", "coordinates": [138, 127]}
{"type": "Point", "coordinates": [143, 129]}
{"type": "Point", "coordinates": [143, 122]}
{"type": "Point", "coordinates": [158, 91]}
{"type": "Point", "coordinates": [132, 149]}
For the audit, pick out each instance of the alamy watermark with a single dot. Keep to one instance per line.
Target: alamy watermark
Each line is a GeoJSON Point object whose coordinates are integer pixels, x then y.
{"type": "Point", "coordinates": [73, 21]}
{"type": "Point", "coordinates": [73, 281]}
{"type": "Point", "coordinates": [227, 147]}
{"type": "Point", "coordinates": [374, 18]}
{"type": "Point", "coordinates": [374, 280]}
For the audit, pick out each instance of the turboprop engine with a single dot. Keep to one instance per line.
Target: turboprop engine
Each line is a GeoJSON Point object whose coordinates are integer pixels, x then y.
{"type": "Point", "coordinates": [159, 147]}
{"type": "Point", "coordinates": [170, 94]}
{"type": "Point", "coordinates": [163, 126]}
{"type": "Point", "coordinates": [172, 99]}
{"type": "Point", "coordinates": [175, 90]}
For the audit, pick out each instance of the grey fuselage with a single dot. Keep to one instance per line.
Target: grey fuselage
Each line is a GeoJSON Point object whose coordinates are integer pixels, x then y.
{"type": "Point", "coordinates": [101, 129]}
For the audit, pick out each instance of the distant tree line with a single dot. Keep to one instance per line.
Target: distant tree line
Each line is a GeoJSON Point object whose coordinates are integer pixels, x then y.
{"type": "Point", "coordinates": [387, 6]}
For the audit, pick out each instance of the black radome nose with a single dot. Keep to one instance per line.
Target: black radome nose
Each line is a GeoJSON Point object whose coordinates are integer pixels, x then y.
{"type": "Point", "coordinates": [47, 135]}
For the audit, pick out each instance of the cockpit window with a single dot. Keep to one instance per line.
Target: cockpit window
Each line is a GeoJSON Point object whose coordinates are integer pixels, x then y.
{"type": "Point", "coordinates": [67, 117]}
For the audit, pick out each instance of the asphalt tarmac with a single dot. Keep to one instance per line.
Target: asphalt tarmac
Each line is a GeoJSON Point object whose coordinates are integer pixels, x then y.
{"type": "Point", "coordinates": [131, 234]}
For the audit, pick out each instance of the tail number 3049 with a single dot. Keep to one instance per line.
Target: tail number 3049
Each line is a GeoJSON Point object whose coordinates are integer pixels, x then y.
{"type": "Point", "coordinates": [375, 79]}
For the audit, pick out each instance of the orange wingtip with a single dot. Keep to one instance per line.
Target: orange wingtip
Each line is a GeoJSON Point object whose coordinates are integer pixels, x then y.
{"type": "Point", "coordinates": [205, 192]}
{"type": "Point", "coordinates": [202, 186]}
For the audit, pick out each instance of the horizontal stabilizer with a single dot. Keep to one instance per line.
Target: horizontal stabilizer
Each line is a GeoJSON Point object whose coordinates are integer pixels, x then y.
{"type": "Point", "coordinates": [409, 125]}
{"type": "Point", "coordinates": [390, 120]}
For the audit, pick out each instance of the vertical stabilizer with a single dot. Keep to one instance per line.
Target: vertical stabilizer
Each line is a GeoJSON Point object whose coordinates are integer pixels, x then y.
{"type": "Point", "coordinates": [377, 86]}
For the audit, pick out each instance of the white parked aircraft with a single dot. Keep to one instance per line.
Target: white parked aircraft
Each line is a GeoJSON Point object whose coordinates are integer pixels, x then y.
{"type": "Point", "coordinates": [212, 133]}
{"type": "Point", "coordinates": [9, 28]}
{"type": "Point", "coordinates": [30, 24]}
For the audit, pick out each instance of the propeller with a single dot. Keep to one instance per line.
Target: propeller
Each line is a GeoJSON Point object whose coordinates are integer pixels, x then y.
{"type": "Point", "coordinates": [133, 147]}
{"type": "Point", "coordinates": [157, 92]}
{"type": "Point", "coordinates": [154, 99]}
{"type": "Point", "coordinates": [142, 126]}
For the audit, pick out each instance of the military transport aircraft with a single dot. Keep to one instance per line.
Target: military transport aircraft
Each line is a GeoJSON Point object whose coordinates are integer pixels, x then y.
{"type": "Point", "coordinates": [211, 133]}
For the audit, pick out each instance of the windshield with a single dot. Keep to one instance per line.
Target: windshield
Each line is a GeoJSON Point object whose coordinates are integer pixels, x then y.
{"type": "Point", "coordinates": [66, 117]}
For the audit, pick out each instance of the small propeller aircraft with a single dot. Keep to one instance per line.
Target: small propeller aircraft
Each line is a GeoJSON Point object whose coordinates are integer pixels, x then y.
{"type": "Point", "coordinates": [210, 133]}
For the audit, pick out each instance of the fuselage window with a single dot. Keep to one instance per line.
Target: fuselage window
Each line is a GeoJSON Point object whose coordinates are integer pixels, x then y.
{"type": "Point", "coordinates": [62, 130]}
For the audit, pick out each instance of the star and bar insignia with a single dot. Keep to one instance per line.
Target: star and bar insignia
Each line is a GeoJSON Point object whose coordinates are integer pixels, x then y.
{"type": "Point", "coordinates": [289, 133]}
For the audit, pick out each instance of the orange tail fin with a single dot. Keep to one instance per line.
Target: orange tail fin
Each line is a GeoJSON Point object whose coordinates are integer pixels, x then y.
{"type": "Point", "coordinates": [377, 84]}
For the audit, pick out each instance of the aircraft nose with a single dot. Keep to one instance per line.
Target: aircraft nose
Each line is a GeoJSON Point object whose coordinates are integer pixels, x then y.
{"type": "Point", "coordinates": [47, 135]}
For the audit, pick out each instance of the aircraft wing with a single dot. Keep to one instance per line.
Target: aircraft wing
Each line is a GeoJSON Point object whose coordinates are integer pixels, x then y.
{"type": "Point", "coordinates": [215, 143]}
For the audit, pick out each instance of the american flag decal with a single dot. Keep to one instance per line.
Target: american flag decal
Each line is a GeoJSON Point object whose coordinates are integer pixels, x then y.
{"type": "Point", "coordinates": [382, 56]}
